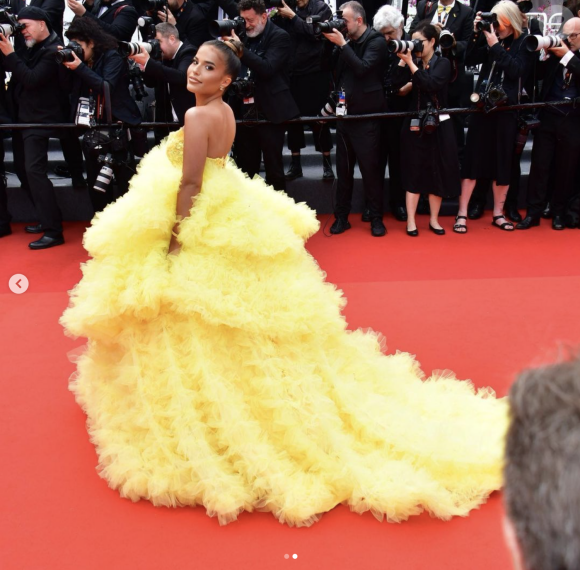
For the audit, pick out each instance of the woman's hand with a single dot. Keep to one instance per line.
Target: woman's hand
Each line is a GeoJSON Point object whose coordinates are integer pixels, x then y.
{"type": "Point", "coordinates": [491, 37]}
{"type": "Point", "coordinates": [407, 57]}
{"type": "Point", "coordinates": [71, 64]}
{"type": "Point", "coordinates": [5, 45]}
{"type": "Point", "coordinates": [174, 246]}
{"type": "Point", "coordinates": [405, 90]}
{"type": "Point", "coordinates": [76, 7]}
{"type": "Point", "coordinates": [475, 22]}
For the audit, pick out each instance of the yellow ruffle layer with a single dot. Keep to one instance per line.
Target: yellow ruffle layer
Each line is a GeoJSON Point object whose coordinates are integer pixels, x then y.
{"type": "Point", "coordinates": [225, 376]}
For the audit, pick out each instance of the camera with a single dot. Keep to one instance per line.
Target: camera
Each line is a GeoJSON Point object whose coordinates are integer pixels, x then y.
{"type": "Point", "coordinates": [85, 115]}
{"type": "Point", "coordinates": [9, 22]}
{"type": "Point", "coordinates": [525, 6]}
{"type": "Point", "coordinates": [242, 88]}
{"type": "Point", "coordinates": [66, 54]}
{"type": "Point", "coordinates": [525, 125]}
{"type": "Point", "coordinates": [487, 19]}
{"type": "Point", "coordinates": [447, 40]}
{"type": "Point", "coordinates": [427, 121]}
{"type": "Point", "coordinates": [489, 97]}
{"type": "Point", "coordinates": [157, 5]}
{"type": "Point", "coordinates": [219, 28]}
{"type": "Point", "coordinates": [536, 43]}
{"type": "Point", "coordinates": [152, 47]}
{"type": "Point", "coordinates": [105, 176]}
{"type": "Point", "coordinates": [337, 23]}
{"type": "Point", "coordinates": [329, 109]}
{"type": "Point", "coordinates": [147, 28]}
{"type": "Point", "coordinates": [136, 79]}
{"type": "Point", "coordinates": [403, 46]}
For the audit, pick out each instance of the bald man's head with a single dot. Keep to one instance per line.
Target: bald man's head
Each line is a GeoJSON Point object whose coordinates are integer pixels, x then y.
{"type": "Point", "coordinates": [572, 29]}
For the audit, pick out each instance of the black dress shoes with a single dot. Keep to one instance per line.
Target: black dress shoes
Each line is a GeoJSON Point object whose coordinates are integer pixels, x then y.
{"type": "Point", "coordinates": [62, 170]}
{"type": "Point", "coordinates": [572, 221]}
{"type": "Point", "coordinates": [511, 213]}
{"type": "Point", "coordinates": [527, 223]}
{"type": "Point", "coordinates": [366, 215]}
{"type": "Point", "coordinates": [340, 226]}
{"type": "Point", "coordinates": [475, 211]}
{"type": "Point", "coordinates": [413, 233]}
{"type": "Point", "coordinates": [378, 229]}
{"type": "Point", "coordinates": [400, 213]}
{"type": "Point", "coordinates": [5, 231]}
{"type": "Point", "coordinates": [295, 170]}
{"type": "Point", "coordinates": [437, 231]}
{"type": "Point", "coordinates": [558, 223]}
{"type": "Point", "coordinates": [37, 229]}
{"type": "Point", "coordinates": [45, 242]}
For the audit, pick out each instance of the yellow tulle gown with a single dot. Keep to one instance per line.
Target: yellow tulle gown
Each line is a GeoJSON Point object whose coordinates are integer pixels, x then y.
{"type": "Point", "coordinates": [225, 376]}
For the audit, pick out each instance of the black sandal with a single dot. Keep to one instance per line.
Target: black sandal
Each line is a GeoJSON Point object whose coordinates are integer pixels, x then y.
{"type": "Point", "coordinates": [503, 226]}
{"type": "Point", "coordinates": [457, 227]}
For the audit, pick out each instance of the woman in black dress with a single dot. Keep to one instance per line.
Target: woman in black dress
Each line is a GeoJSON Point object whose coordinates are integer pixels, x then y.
{"type": "Point", "coordinates": [429, 162]}
{"type": "Point", "coordinates": [489, 149]}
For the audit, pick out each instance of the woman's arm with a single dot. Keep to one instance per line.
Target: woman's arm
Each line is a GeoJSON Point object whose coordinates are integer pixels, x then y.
{"type": "Point", "coordinates": [195, 145]}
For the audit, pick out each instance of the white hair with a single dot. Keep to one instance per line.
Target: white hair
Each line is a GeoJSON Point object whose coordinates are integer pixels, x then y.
{"type": "Point", "coordinates": [387, 16]}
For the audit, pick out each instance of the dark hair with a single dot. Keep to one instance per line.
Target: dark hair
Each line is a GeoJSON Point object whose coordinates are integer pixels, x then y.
{"type": "Point", "coordinates": [357, 9]}
{"type": "Point", "coordinates": [231, 58]}
{"type": "Point", "coordinates": [542, 468]}
{"type": "Point", "coordinates": [430, 32]}
{"type": "Point", "coordinates": [257, 5]}
{"type": "Point", "coordinates": [87, 30]}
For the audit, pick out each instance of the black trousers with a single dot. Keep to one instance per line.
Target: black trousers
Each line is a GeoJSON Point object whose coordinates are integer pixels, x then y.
{"type": "Point", "coordinates": [391, 155]}
{"type": "Point", "coordinates": [359, 141]}
{"type": "Point", "coordinates": [251, 143]}
{"type": "Point", "coordinates": [72, 152]}
{"type": "Point", "coordinates": [320, 132]}
{"type": "Point", "coordinates": [556, 141]}
{"type": "Point", "coordinates": [31, 163]}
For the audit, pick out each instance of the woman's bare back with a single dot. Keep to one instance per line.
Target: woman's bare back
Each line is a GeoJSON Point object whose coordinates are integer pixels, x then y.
{"type": "Point", "coordinates": [223, 128]}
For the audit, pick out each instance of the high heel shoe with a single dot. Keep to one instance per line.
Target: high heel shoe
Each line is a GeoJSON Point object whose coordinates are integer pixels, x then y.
{"type": "Point", "coordinates": [413, 233]}
{"type": "Point", "coordinates": [439, 232]}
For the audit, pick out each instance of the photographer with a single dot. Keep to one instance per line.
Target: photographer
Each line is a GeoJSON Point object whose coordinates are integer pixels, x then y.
{"type": "Point", "coordinates": [389, 23]}
{"type": "Point", "coordinates": [100, 64]}
{"type": "Point", "coordinates": [309, 82]}
{"type": "Point", "coordinates": [557, 141]}
{"type": "Point", "coordinates": [169, 76]}
{"type": "Point", "coordinates": [267, 51]}
{"type": "Point", "coordinates": [456, 18]}
{"type": "Point", "coordinates": [489, 150]}
{"type": "Point", "coordinates": [5, 216]}
{"type": "Point", "coordinates": [428, 147]}
{"type": "Point", "coordinates": [359, 65]}
{"type": "Point", "coordinates": [188, 18]}
{"type": "Point", "coordinates": [36, 95]}
{"type": "Point", "coordinates": [118, 17]}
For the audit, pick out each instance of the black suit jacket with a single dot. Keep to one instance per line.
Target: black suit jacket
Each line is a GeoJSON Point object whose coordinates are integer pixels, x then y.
{"type": "Point", "coordinates": [119, 20]}
{"type": "Point", "coordinates": [191, 24]}
{"type": "Point", "coordinates": [548, 69]}
{"type": "Point", "coordinates": [210, 8]}
{"type": "Point", "coordinates": [36, 92]}
{"type": "Point", "coordinates": [172, 72]}
{"type": "Point", "coordinates": [269, 70]}
{"type": "Point", "coordinates": [359, 68]}
{"type": "Point", "coordinates": [113, 69]}
{"type": "Point", "coordinates": [459, 22]}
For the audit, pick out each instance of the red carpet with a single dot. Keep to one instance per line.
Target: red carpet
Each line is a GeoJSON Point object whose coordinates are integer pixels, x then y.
{"type": "Point", "coordinates": [484, 305]}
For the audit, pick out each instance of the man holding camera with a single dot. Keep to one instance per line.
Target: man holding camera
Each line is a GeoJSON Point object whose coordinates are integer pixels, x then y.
{"type": "Point", "coordinates": [267, 51]}
{"type": "Point", "coordinates": [359, 66]}
{"type": "Point", "coordinates": [310, 81]}
{"type": "Point", "coordinates": [557, 141]}
{"type": "Point", "coordinates": [169, 76]}
{"type": "Point", "coordinates": [36, 95]}
{"type": "Point", "coordinates": [116, 17]}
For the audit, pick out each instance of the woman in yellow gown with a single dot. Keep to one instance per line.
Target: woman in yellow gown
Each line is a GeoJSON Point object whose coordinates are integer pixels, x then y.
{"type": "Point", "coordinates": [219, 370]}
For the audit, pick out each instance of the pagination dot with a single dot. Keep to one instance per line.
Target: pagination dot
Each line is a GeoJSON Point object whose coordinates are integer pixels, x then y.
{"type": "Point", "coordinates": [295, 556]}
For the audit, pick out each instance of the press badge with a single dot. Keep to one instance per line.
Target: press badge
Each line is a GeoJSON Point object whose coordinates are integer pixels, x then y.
{"type": "Point", "coordinates": [341, 106]}
{"type": "Point", "coordinates": [248, 100]}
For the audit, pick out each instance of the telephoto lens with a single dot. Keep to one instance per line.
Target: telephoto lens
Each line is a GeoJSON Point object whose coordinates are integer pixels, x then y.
{"type": "Point", "coordinates": [487, 19]}
{"type": "Point", "coordinates": [403, 46]}
{"type": "Point", "coordinates": [6, 30]}
{"type": "Point", "coordinates": [329, 109]}
{"type": "Point", "coordinates": [327, 27]}
{"type": "Point", "coordinates": [219, 28]}
{"type": "Point", "coordinates": [105, 176]}
{"type": "Point", "coordinates": [447, 40]}
{"type": "Point", "coordinates": [525, 6]}
{"type": "Point", "coordinates": [536, 43]}
{"type": "Point", "coordinates": [66, 54]}
{"type": "Point", "coordinates": [127, 49]}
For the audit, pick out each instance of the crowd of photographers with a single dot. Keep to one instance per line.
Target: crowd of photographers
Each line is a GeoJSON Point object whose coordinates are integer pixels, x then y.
{"type": "Point", "coordinates": [301, 60]}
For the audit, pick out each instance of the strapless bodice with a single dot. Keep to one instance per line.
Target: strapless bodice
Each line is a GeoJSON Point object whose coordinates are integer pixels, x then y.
{"type": "Point", "coordinates": [174, 150]}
